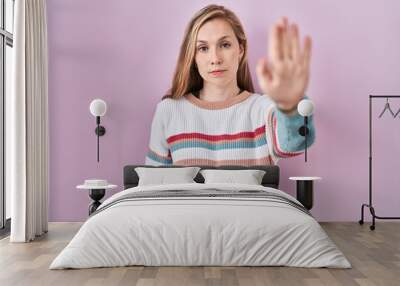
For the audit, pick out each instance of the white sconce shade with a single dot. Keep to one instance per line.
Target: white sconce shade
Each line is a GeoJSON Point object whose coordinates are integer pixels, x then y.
{"type": "Point", "coordinates": [98, 107]}
{"type": "Point", "coordinates": [305, 107]}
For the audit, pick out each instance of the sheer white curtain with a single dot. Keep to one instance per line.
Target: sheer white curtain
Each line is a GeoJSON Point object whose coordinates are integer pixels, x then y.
{"type": "Point", "coordinates": [27, 123]}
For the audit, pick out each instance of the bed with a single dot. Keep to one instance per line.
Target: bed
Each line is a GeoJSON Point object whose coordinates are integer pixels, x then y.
{"type": "Point", "coordinates": [201, 224]}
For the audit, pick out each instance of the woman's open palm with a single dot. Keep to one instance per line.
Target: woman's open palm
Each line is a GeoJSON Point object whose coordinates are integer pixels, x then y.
{"type": "Point", "coordinates": [284, 78]}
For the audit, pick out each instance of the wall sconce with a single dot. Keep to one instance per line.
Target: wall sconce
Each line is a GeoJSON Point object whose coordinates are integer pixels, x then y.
{"type": "Point", "coordinates": [98, 108]}
{"type": "Point", "coordinates": [305, 108]}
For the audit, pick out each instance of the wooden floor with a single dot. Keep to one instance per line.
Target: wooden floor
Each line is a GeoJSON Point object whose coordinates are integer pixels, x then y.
{"type": "Point", "coordinates": [374, 255]}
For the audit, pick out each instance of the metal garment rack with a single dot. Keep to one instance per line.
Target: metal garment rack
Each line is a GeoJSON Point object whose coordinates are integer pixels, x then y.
{"type": "Point", "coordinates": [369, 205]}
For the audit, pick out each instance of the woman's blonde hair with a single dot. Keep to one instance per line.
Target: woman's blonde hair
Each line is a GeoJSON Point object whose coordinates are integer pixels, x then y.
{"type": "Point", "coordinates": [186, 77]}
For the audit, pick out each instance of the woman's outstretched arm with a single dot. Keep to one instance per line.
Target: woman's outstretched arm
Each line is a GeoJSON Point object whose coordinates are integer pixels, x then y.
{"type": "Point", "coordinates": [283, 134]}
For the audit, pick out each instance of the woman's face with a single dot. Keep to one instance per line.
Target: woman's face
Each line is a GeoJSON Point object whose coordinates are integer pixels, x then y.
{"type": "Point", "coordinates": [217, 52]}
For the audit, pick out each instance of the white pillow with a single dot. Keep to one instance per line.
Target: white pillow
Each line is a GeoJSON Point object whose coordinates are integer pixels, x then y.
{"type": "Point", "coordinates": [249, 177]}
{"type": "Point", "coordinates": [163, 176]}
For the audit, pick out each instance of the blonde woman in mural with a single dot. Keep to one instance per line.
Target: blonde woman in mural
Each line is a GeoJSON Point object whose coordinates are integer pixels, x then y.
{"type": "Point", "coordinates": [212, 116]}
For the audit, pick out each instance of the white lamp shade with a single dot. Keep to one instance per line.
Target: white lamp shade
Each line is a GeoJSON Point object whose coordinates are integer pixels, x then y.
{"type": "Point", "coordinates": [305, 107]}
{"type": "Point", "coordinates": [98, 107]}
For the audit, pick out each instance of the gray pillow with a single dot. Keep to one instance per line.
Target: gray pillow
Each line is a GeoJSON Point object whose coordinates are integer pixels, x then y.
{"type": "Point", "coordinates": [249, 177]}
{"type": "Point", "coordinates": [163, 176]}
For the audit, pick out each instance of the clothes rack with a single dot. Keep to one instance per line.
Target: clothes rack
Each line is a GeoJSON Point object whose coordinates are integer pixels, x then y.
{"type": "Point", "coordinates": [369, 205]}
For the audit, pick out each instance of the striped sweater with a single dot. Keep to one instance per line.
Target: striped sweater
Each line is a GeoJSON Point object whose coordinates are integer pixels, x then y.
{"type": "Point", "coordinates": [244, 130]}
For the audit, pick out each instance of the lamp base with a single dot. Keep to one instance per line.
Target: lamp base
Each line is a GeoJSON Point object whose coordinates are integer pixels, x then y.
{"type": "Point", "coordinates": [100, 130]}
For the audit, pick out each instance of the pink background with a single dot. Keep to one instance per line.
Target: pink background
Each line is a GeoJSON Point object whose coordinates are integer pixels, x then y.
{"type": "Point", "coordinates": [125, 53]}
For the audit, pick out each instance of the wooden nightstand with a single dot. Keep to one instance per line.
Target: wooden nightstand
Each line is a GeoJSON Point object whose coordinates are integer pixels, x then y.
{"type": "Point", "coordinates": [304, 190]}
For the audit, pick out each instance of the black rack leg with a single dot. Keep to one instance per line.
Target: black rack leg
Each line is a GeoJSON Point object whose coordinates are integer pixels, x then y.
{"type": "Point", "coordinates": [361, 221]}
{"type": "Point", "coordinates": [372, 210]}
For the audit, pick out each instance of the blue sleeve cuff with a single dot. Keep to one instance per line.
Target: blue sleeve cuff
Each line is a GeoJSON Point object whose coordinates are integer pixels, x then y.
{"type": "Point", "coordinates": [288, 131]}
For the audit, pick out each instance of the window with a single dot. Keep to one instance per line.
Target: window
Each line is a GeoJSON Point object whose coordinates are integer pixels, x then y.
{"type": "Point", "coordinates": [6, 62]}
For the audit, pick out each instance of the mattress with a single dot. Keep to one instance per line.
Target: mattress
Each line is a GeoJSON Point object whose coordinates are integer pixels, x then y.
{"type": "Point", "coordinates": [201, 225]}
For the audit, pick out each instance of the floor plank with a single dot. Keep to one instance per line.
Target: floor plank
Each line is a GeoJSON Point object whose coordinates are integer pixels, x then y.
{"type": "Point", "coordinates": [374, 255]}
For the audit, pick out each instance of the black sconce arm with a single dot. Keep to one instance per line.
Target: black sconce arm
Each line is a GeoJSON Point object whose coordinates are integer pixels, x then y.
{"type": "Point", "coordinates": [305, 131]}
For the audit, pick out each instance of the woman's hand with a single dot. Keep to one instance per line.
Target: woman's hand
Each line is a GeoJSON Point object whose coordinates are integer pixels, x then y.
{"type": "Point", "coordinates": [285, 77]}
